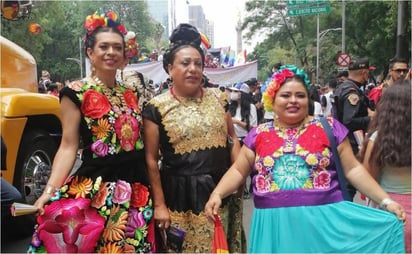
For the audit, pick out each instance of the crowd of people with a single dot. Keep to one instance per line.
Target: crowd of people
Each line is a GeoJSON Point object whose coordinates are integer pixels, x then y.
{"type": "Point", "coordinates": [167, 161]}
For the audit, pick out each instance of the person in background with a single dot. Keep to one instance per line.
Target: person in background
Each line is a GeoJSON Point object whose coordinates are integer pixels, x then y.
{"type": "Point", "coordinates": [44, 82]}
{"type": "Point", "coordinates": [253, 84]}
{"type": "Point", "coordinates": [342, 76]}
{"type": "Point", "coordinates": [398, 69]}
{"type": "Point", "coordinates": [105, 206]}
{"type": "Point", "coordinates": [315, 108]}
{"type": "Point", "coordinates": [387, 152]}
{"type": "Point", "coordinates": [53, 89]}
{"type": "Point", "coordinates": [242, 110]}
{"type": "Point", "coordinates": [351, 106]}
{"type": "Point", "coordinates": [299, 206]}
{"type": "Point", "coordinates": [190, 125]}
{"type": "Point", "coordinates": [327, 97]}
{"type": "Point", "coordinates": [9, 193]}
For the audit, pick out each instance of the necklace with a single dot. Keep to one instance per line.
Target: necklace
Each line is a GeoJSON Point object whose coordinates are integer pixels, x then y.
{"type": "Point", "coordinates": [179, 99]}
{"type": "Point", "coordinates": [114, 95]}
{"type": "Point", "coordinates": [290, 134]}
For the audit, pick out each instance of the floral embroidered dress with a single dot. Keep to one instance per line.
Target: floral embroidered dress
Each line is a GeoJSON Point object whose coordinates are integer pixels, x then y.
{"type": "Point", "coordinates": [193, 135]}
{"type": "Point", "coordinates": [105, 206]}
{"type": "Point", "coordinates": [298, 201]}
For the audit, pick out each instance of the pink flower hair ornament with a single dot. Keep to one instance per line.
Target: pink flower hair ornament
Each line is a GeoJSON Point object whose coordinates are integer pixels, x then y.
{"type": "Point", "coordinates": [278, 79]}
{"type": "Point", "coordinates": [103, 19]}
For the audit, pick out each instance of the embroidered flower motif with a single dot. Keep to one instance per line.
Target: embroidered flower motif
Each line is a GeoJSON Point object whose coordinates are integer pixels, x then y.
{"type": "Point", "coordinates": [76, 85]}
{"type": "Point", "coordinates": [122, 193]}
{"type": "Point", "coordinates": [322, 180]}
{"type": "Point", "coordinates": [116, 127]}
{"type": "Point", "coordinates": [99, 198]}
{"type": "Point", "coordinates": [69, 226]}
{"type": "Point", "coordinates": [131, 99]}
{"type": "Point", "coordinates": [262, 185]}
{"type": "Point", "coordinates": [314, 132]}
{"type": "Point", "coordinates": [80, 186]}
{"type": "Point", "coordinates": [136, 225]}
{"type": "Point", "coordinates": [100, 148]}
{"type": "Point", "coordinates": [267, 143]}
{"type": "Point", "coordinates": [101, 129]}
{"type": "Point", "coordinates": [116, 225]}
{"type": "Point", "coordinates": [290, 172]}
{"type": "Point", "coordinates": [127, 129]}
{"type": "Point", "coordinates": [95, 105]}
{"type": "Point", "coordinates": [140, 195]}
{"type": "Point", "coordinates": [110, 248]}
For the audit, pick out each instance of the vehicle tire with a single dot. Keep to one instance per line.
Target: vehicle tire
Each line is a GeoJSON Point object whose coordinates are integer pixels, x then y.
{"type": "Point", "coordinates": [33, 165]}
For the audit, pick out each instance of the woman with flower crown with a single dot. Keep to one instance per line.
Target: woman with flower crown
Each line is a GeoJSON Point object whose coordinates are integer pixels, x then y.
{"type": "Point", "coordinates": [299, 201]}
{"type": "Point", "coordinates": [105, 205]}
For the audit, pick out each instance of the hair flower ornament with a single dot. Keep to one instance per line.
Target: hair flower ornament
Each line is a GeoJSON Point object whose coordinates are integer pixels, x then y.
{"type": "Point", "coordinates": [278, 79]}
{"type": "Point", "coordinates": [103, 19]}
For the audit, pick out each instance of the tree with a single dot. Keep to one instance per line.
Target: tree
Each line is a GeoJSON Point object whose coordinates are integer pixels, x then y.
{"type": "Point", "coordinates": [370, 32]}
{"type": "Point", "coordinates": [62, 26]}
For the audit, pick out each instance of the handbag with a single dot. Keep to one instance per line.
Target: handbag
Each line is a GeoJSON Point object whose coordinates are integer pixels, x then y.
{"type": "Point", "coordinates": [338, 164]}
{"type": "Point", "coordinates": [219, 238]}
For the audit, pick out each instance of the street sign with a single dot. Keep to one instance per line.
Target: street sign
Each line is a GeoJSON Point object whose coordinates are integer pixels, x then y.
{"type": "Point", "coordinates": [304, 2]}
{"type": "Point", "coordinates": [311, 10]}
{"type": "Point", "coordinates": [343, 59]}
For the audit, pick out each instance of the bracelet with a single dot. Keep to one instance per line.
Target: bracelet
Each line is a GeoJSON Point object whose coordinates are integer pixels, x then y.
{"type": "Point", "coordinates": [50, 189]}
{"type": "Point", "coordinates": [385, 202]}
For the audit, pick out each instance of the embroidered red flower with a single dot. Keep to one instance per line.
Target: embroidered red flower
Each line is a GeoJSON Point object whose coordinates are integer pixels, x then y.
{"type": "Point", "coordinates": [267, 143]}
{"type": "Point", "coordinates": [131, 99]}
{"type": "Point", "coordinates": [95, 105]}
{"type": "Point", "coordinates": [322, 180]}
{"type": "Point", "coordinates": [140, 195]}
{"type": "Point", "coordinates": [314, 139]}
{"type": "Point", "coordinates": [127, 130]}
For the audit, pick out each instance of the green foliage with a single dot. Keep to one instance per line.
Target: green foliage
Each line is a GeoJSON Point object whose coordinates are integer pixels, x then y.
{"type": "Point", "coordinates": [371, 28]}
{"type": "Point", "coordinates": [62, 32]}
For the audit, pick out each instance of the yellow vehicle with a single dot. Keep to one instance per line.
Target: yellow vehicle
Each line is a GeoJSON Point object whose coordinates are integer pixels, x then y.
{"type": "Point", "coordinates": [30, 122]}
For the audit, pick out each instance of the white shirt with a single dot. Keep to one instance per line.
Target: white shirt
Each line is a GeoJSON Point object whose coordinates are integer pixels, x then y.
{"type": "Point", "coordinates": [240, 131]}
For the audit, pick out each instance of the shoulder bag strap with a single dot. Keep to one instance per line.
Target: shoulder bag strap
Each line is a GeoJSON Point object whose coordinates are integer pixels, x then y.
{"type": "Point", "coordinates": [338, 165]}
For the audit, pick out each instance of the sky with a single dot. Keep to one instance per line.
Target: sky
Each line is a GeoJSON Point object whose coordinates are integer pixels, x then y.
{"type": "Point", "coordinates": [225, 15]}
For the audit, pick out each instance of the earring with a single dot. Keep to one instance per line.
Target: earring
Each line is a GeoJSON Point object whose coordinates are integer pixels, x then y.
{"type": "Point", "coordinates": [93, 71]}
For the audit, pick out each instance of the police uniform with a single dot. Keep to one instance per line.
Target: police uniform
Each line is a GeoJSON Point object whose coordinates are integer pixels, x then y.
{"type": "Point", "coordinates": [351, 106]}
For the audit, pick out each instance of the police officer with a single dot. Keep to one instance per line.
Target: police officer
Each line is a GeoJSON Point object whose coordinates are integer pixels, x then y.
{"type": "Point", "coordinates": [351, 106]}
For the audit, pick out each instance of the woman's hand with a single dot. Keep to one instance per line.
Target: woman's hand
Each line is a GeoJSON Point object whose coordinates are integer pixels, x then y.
{"type": "Point", "coordinates": [396, 209]}
{"type": "Point", "coordinates": [162, 216]}
{"type": "Point", "coordinates": [212, 205]}
{"type": "Point", "coordinates": [40, 202]}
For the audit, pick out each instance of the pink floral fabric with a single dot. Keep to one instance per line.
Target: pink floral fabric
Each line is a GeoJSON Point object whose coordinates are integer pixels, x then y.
{"type": "Point", "coordinates": [105, 217]}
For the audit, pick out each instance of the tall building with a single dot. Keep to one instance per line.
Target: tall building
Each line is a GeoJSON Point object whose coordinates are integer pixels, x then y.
{"type": "Point", "coordinates": [163, 11]}
{"type": "Point", "coordinates": [198, 19]}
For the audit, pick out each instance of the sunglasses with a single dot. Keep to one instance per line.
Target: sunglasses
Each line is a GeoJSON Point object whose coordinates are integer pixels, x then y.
{"type": "Point", "coordinates": [399, 71]}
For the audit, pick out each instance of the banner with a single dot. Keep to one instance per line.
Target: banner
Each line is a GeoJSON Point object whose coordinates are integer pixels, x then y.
{"type": "Point", "coordinates": [218, 76]}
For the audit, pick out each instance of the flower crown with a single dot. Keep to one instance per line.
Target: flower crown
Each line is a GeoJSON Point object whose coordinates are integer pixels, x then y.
{"type": "Point", "coordinates": [103, 19]}
{"type": "Point", "coordinates": [278, 79]}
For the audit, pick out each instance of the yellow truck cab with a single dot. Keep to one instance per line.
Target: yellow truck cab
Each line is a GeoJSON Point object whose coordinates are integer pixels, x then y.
{"type": "Point", "coordinates": [30, 122]}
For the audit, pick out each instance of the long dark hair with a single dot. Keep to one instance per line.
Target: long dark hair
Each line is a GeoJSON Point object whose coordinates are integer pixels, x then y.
{"type": "Point", "coordinates": [245, 101]}
{"type": "Point", "coordinates": [392, 146]}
